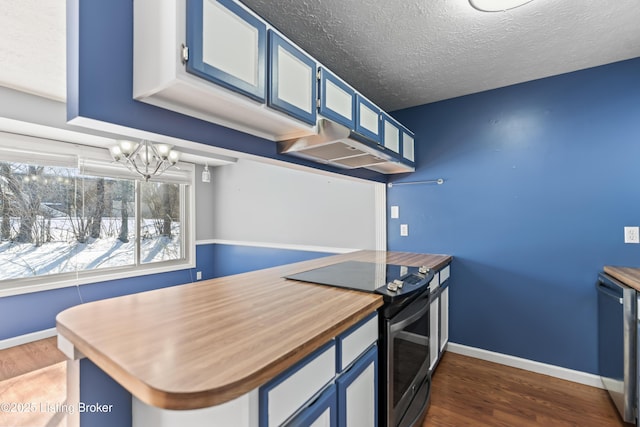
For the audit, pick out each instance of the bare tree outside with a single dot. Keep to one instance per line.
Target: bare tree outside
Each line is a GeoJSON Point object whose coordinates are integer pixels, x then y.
{"type": "Point", "coordinates": [56, 220]}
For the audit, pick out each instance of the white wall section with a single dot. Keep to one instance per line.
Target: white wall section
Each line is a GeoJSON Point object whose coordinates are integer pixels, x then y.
{"type": "Point", "coordinates": [261, 202]}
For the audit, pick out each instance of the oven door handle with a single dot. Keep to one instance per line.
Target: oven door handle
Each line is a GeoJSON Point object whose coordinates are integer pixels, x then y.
{"type": "Point", "coordinates": [412, 313]}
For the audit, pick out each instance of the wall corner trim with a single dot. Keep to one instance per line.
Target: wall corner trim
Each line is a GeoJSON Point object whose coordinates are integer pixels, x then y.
{"type": "Point", "coordinates": [528, 365]}
{"type": "Point", "coordinates": [27, 338]}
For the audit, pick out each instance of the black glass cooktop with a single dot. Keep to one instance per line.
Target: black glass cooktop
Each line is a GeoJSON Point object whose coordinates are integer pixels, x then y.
{"type": "Point", "coordinates": [362, 276]}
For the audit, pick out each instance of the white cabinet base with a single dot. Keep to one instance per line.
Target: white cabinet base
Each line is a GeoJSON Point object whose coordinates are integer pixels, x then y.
{"type": "Point", "coordinates": [160, 78]}
{"type": "Point", "coordinates": [240, 412]}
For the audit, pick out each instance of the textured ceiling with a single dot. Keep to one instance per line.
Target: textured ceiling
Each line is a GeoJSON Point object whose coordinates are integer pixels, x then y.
{"type": "Point", "coordinates": [412, 52]}
{"type": "Point", "coordinates": [32, 47]}
{"type": "Point", "coordinates": [398, 53]}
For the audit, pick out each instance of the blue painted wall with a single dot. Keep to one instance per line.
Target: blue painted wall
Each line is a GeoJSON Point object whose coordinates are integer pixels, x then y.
{"type": "Point", "coordinates": [541, 178]}
{"type": "Point", "coordinates": [234, 259]}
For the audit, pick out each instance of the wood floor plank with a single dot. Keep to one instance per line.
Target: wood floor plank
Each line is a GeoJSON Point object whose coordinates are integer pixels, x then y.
{"type": "Point", "coordinates": [35, 399]}
{"type": "Point", "coordinates": [30, 357]}
{"type": "Point", "coordinates": [466, 392]}
{"type": "Point", "coordinates": [472, 392]}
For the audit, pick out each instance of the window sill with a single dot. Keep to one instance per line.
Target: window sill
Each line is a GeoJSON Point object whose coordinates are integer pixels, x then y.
{"type": "Point", "coordinates": [44, 283]}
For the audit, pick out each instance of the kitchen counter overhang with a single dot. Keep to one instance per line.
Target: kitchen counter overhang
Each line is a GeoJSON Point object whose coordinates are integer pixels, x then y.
{"type": "Point", "coordinates": [205, 343]}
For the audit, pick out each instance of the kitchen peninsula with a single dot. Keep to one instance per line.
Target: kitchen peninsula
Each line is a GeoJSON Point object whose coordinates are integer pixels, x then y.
{"type": "Point", "coordinates": [211, 343]}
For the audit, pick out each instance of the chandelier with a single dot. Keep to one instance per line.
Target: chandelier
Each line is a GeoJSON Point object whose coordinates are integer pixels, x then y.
{"type": "Point", "coordinates": [145, 158]}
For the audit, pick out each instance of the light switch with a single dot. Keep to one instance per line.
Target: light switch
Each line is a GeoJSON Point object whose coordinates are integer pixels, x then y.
{"type": "Point", "coordinates": [395, 212]}
{"type": "Point", "coordinates": [404, 229]}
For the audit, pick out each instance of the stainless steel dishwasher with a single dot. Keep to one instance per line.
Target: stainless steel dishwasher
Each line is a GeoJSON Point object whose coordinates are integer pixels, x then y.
{"type": "Point", "coordinates": [618, 344]}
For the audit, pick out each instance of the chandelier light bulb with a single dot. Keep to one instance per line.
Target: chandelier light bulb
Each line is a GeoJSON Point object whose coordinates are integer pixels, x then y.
{"type": "Point", "coordinates": [116, 152]}
{"type": "Point", "coordinates": [163, 150]}
{"type": "Point", "coordinates": [174, 156]}
{"type": "Point", "coordinates": [127, 147]}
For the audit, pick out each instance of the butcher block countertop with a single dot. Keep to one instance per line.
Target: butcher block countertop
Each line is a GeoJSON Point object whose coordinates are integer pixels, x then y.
{"type": "Point", "coordinates": [627, 275]}
{"type": "Point", "coordinates": [205, 343]}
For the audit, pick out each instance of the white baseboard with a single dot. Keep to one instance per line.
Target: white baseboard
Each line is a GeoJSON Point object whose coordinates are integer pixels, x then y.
{"type": "Point", "coordinates": [26, 338]}
{"type": "Point", "coordinates": [528, 365]}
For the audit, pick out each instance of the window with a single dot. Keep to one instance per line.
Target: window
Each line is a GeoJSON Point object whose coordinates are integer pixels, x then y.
{"type": "Point", "coordinates": [77, 224]}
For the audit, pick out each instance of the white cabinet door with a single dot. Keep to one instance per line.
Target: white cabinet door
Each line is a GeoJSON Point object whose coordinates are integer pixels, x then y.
{"type": "Point", "coordinates": [444, 318]}
{"type": "Point", "coordinates": [290, 391]}
{"type": "Point", "coordinates": [337, 99]}
{"type": "Point", "coordinates": [434, 343]}
{"type": "Point", "coordinates": [355, 341]}
{"type": "Point", "coordinates": [358, 392]}
{"type": "Point", "coordinates": [408, 148]}
{"type": "Point", "coordinates": [292, 80]}
{"type": "Point", "coordinates": [227, 45]}
{"type": "Point", "coordinates": [323, 412]}
{"type": "Point", "coordinates": [391, 133]}
{"type": "Point", "coordinates": [367, 118]}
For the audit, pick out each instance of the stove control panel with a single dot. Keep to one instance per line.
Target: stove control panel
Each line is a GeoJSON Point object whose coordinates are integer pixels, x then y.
{"type": "Point", "coordinates": [412, 279]}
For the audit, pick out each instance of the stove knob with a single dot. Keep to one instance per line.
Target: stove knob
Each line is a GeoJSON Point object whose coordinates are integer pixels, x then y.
{"type": "Point", "coordinates": [393, 287]}
{"type": "Point", "coordinates": [398, 283]}
{"type": "Point", "coordinates": [423, 269]}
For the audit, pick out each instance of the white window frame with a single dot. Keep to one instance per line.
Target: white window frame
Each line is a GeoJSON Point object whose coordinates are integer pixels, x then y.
{"type": "Point", "coordinates": [22, 148]}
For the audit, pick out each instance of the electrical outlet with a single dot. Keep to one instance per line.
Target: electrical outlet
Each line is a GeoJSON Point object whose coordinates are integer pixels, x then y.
{"type": "Point", "coordinates": [198, 275]}
{"type": "Point", "coordinates": [632, 234]}
{"type": "Point", "coordinates": [404, 229]}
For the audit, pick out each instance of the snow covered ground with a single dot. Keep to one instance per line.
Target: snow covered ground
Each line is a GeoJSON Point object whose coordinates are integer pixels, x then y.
{"type": "Point", "coordinates": [64, 254]}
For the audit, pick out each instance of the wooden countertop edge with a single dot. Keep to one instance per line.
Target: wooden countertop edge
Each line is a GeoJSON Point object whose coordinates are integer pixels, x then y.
{"type": "Point", "coordinates": [224, 393]}
{"type": "Point", "coordinates": [214, 393]}
{"type": "Point", "coordinates": [630, 276]}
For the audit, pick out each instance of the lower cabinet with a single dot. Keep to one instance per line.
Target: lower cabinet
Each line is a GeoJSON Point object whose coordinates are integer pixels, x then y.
{"type": "Point", "coordinates": [337, 386]}
{"type": "Point", "coordinates": [358, 392]}
{"type": "Point", "coordinates": [323, 412]}
{"type": "Point", "coordinates": [434, 321]}
{"type": "Point", "coordinates": [240, 412]}
{"type": "Point", "coordinates": [438, 316]}
{"type": "Point", "coordinates": [296, 388]}
{"type": "Point", "coordinates": [444, 317]}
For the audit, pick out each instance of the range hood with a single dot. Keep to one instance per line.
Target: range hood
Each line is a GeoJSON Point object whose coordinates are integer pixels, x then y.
{"type": "Point", "coordinates": [337, 145]}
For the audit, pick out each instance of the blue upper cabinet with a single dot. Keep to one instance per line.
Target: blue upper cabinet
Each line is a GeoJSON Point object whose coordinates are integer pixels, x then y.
{"type": "Point", "coordinates": [337, 99]}
{"type": "Point", "coordinates": [292, 80]}
{"type": "Point", "coordinates": [408, 144]}
{"type": "Point", "coordinates": [391, 133]}
{"type": "Point", "coordinates": [227, 45]}
{"type": "Point", "coordinates": [367, 119]}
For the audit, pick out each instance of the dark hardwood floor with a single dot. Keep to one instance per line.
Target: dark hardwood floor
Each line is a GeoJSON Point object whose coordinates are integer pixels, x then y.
{"type": "Point", "coordinates": [472, 392]}
{"type": "Point", "coordinates": [466, 392]}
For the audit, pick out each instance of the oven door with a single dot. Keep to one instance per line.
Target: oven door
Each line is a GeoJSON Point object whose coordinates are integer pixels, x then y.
{"type": "Point", "coordinates": [408, 380]}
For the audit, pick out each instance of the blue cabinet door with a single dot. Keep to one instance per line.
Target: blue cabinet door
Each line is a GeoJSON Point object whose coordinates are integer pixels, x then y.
{"type": "Point", "coordinates": [407, 145]}
{"type": "Point", "coordinates": [227, 46]}
{"type": "Point", "coordinates": [367, 119]}
{"type": "Point", "coordinates": [358, 392]}
{"type": "Point", "coordinates": [391, 133]}
{"type": "Point", "coordinates": [292, 80]}
{"type": "Point", "coordinates": [337, 99]}
{"type": "Point", "coordinates": [321, 413]}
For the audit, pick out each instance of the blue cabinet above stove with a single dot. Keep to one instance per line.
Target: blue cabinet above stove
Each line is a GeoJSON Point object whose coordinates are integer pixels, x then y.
{"type": "Point", "coordinates": [218, 61]}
